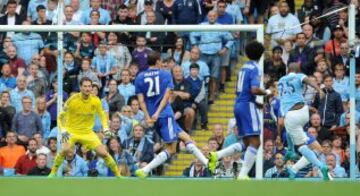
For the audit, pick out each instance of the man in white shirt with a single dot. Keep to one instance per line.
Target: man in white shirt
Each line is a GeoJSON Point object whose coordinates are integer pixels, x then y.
{"type": "Point", "coordinates": [283, 26]}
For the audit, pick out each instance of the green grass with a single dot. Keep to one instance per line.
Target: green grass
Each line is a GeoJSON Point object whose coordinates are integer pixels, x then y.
{"type": "Point", "coordinates": [171, 187]}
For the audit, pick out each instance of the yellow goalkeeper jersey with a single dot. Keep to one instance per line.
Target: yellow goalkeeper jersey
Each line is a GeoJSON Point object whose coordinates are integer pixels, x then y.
{"type": "Point", "coordinates": [78, 115]}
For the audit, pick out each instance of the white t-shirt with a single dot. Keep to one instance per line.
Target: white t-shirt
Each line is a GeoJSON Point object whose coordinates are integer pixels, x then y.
{"type": "Point", "coordinates": [10, 21]}
{"type": "Point", "coordinates": [278, 24]}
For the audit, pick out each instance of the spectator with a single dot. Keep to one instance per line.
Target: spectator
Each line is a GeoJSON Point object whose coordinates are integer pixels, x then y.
{"type": "Point", "coordinates": [344, 57]}
{"type": "Point", "coordinates": [40, 169]}
{"type": "Point", "coordinates": [279, 170]}
{"type": "Point", "coordinates": [10, 153]}
{"type": "Point", "coordinates": [213, 144]}
{"type": "Point", "coordinates": [7, 79]}
{"type": "Point", "coordinates": [125, 88]}
{"type": "Point", "coordinates": [79, 8]}
{"type": "Point", "coordinates": [275, 68]}
{"type": "Point", "coordinates": [303, 55]}
{"type": "Point", "coordinates": [140, 53]}
{"type": "Point", "coordinates": [140, 147]}
{"type": "Point", "coordinates": [326, 146]}
{"type": "Point", "coordinates": [127, 123]}
{"type": "Point", "coordinates": [165, 8]}
{"type": "Point", "coordinates": [5, 104]}
{"type": "Point", "coordinates": [196, 170]}
{"type": "Point", "coordinates": [16, 63]}
{"type": "Point", "coordinates": [153, 39]}
{"type": "Point", "coordinates": [123, 17]}
{"type": "Point", "coordinates": [138, 115]}
{"type": "Point", "coordinates": [31, 9]}
{"type": "Point", "coordinates": [17, 94]}
{"type": "Point", "coordinates": [86, 71]}
{"type": "Point", "coordinates": [115, 100]}
{"type": "Point", "coordinates": [228, 168]}
{"type": "Point", "coordinates": [268, 154]}
{"type": "Point", "coordinates": [97, 36]}
{"type": "Point", "coordinates": [27, 161]}
{"type": "Point", "coordinates": [182, 90]}
{"type": "Point", "coordinates": [332, 47]}
{"type": "Point", "coordinates": [115, 124]}
{"type": "Point", "coordinates": [44, 115]}
{"type": "Point", "coordinates": [103, 13]}
{"type": "Point", "coordinates": [51, 103]}
{"type": "Point", "coordinates": [122, 157]}
{"type": "Point", "coordinates": [52, 145]}
{"type": "Point", "coordinates": [287, 48]}
{"type": "Point", "coordinates": [6, 114]}
{"type": "Point", "coordinates": [188, 12]}
{"type": "Point", "coordinates": [341, 82]}
{"type": "Point", "coordinates": [26, 122]}
{"type": "Point", "coordinates": [42, 20]}
{"type": "Point", "coordinates": [95, 91]}
{"type": "Point", "coordinates": [323, 133]}
{"type": "Point", "coordinates": [10, 18]}
{"type": "Point", "coordinates": [86, 48]}
{"type": "Point", "coordinates": [73, 165]}
{"type": "Point", "coordinates": [311, 40]}
{"type": "Point", "coordinates": [104, 64]}
{"type": "Point", "coordinates": [40, 147]}
{"type": "Point", "coordinates": [198, 94]}
{"type": "Point", "coordinates": [336, 171]}
{"type": "Point", "coordinates": [27, 44]}
{"type": "Point", "coordinates": [330, 108]}
{"type": "Point", "coordinates": [321, 28]}
{"type": "Point", "coordinates": [307, 9]}
{"type": "Point", "coordinates": [178, 52]}
{"type": "Point", "coordinates": [120, 52]}
{"type": "Point", "coordinates": [281, 21]}
{"type": "Point", "coordinates": [337, 148]}
{"type": "Point", "coordinates": [218, 134]}
{"type": "Point", "coordinates": [204, 72]}
{"type": "Point", "coordinates": [212, 49]}
{"type": "Point", "coordinates": [111, 6]}
{"type": "Point", "coordinates": [34, 83]}
{"type": "Point", "coordinates": [149, 8]}
{"type": "Point", "coordinates": [322, 66]}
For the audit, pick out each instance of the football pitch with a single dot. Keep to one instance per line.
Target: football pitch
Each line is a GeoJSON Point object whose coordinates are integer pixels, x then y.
{"type": "Point", "coordinates": [24, 186]}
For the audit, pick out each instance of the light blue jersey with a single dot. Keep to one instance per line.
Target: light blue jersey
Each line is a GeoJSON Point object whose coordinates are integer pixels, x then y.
{"type": "Point", "coordinates": [290, 91]}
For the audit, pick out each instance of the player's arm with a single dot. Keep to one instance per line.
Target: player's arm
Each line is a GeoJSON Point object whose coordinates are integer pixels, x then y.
{"type": "Point", "coordinates": [313, 84]}
{"type": "Point", "coordinates": [258, 91]}
{"type": "Point", "coordinates": [163, 103]}
{"type": "Point", "coordinates": [143, 107]}
{"type": "Point", "coordinates": [61, 123]}
{"type": "Point", "coordinates": [255, 84]}
{"type": "Point", "coordinates": [102, 114]}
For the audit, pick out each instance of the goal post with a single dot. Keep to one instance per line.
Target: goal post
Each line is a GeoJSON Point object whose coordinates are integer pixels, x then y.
{"type": "Point", "coordinates": [60, 29]}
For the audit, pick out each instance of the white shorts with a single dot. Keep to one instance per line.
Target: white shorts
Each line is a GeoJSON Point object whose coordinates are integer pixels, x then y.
{"type": "Point", "coordinates": [295, 121]}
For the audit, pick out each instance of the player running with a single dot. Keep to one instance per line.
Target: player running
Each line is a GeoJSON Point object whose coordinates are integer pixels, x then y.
{"type": "Point", "coordinates": [246, 112]}
{"type": "Point", "coordinates": [297, 114]}
{"type": "Point", "coordinates": [76, 122]}
{"type": "Point", "coordinates": [153, 88]}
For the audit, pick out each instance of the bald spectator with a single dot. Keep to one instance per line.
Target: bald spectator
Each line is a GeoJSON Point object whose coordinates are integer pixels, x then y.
{"type": "Point", "coordinates": [26, 162]}
{"type": "Point", "coordinates": [17, 64]}
{"type": "Point", "coordinates": [10, 153]}
{"type": "Point", "coordinates": [19, 92]}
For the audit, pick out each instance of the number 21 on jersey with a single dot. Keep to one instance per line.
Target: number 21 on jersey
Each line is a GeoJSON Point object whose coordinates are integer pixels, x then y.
{"type": "Point", "coordinates": [154, 86]}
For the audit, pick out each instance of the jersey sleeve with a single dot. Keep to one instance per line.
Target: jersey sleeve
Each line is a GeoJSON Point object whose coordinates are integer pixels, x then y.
{"type": "Point", "coordinates": [301, 76]}
{"type": "Point", "coordinates": [170, 83]}
{"type": "Point", "coordinates": [138, 85]}
{"type": "Point", "coordinates": [255, 78]}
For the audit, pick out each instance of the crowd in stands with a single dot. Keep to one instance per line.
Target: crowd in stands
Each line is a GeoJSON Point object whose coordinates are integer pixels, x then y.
{"type": "Point", "coordinates": [200, 62]}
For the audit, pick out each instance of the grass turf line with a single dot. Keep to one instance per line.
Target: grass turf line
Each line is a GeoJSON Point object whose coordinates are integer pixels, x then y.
{"type": "Point", "coordinates": [170, 187]}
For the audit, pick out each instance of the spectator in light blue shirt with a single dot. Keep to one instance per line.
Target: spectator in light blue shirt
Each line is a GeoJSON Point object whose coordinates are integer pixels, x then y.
{"type": "Point", "coordinates": [336, 171]}
{"type": "Point", "coordinates": [44, 115]}
{"type": "Point", "coordinates": [73, 165]}
{"type": "Point", "coordinates": [341, 82]}
{"type": "Point", "coordinates": [95, 91]}
{"type": "Point", "coordinates": [27, 44]}
{"type": "Point", "coordinates": [126, 88]}
{"type": "Point", "coordinates": [31, 10]}
{"type": "Point", "coordinates": [7, 79]}
{"type": "Point", "coordinates": [137, 113]}
{"type": "Point", "coordinates": [104, 14]}
{"type": "Point", "coordinates": [104, 64]}
{"type": "Point", "coordinates": [204, 72]}
{"type": "Point", "coordinates": [19, 92]}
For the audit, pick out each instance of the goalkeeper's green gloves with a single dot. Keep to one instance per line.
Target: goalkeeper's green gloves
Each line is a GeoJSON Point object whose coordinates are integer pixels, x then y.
{"type": "Point", "coordinates": [108, 133]}
{"type": "Point", "coordinates": [65, 136]}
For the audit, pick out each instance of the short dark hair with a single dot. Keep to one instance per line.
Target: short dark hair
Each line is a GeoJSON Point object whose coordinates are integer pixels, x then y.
{"type": "Point", "coordinates": [85, 79]}
{"type": "Point", "coordinates": [301, 33]}
{"type": "Point", "coordinates": [153, 57]}
{"type": "Point", "coordinates": [327, 76]}
{"type": "Point", "coordinates": [51, 139]}
{"type": "Point", "coordinates": [254, 50]}
{"type": "Point", "coordinates": [40, 7]}
{"type": "Point", "coordinates": [194, 66]}
{"type": "Point", "coordinates": [11, 2]}
{"type": "Point", "coordinates": [123, 7]}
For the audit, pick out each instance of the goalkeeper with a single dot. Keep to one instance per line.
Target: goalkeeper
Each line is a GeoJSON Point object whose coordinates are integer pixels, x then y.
{"type": "Point", "coordinates": [76, 123]}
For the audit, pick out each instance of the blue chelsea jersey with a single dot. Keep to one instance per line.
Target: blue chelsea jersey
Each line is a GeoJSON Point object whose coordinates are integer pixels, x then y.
{"type": "Point", "coordinates": [248, 77]}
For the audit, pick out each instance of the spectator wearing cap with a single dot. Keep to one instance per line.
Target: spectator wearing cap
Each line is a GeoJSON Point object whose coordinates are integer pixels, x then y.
{"type": "Point", "coordinates": [148, 8]}
{"type": "Point", "coordinates": [198, 94]}
{"type": "Point", "coordinates": [279, 25]}
{"type": "Point", "coordinates": [212, 49]}
{"type": "Point", "coordinates": [10, 18]}
{"type": "Point", "coordinates": [332, 47]}
{"type": "Point", "coordinates": [275, 68]}
{"type": "Point", "coordinates": [303, 55]}
{"type": "Point", "coordinates": [32, 14]}
{"type": "Point", "coordinates": [104, 14]}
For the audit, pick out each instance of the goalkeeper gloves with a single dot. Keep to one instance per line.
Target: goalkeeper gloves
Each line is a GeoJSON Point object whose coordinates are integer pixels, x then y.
{"type": "Point", "coordinates": [108, 133]}
{"type": "Point", "coordinates": [65, 136]}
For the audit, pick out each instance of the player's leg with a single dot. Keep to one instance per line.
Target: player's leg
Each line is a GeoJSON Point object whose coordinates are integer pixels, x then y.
{"type": "Point", "coordinates": [251, 129]}
{"type": "Point", "coordinates": [191, 147]}
{"type": "Point", "coordinates": [59, 159]}
{"type": "Point", "coordinates": [165, 128]}
{"type": "Point", "coordinates": [189, 117]}
{"type": "Point", "coordinates": [110, 162]}
{"type": "Point", "coordinates": [294, 122]}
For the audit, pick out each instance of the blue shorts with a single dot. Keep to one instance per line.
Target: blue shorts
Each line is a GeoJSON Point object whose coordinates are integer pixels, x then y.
{"type": "Point", "coordinates": [247, 119]}
{"type": "Point", "coordinates": [311, 139]}
{"type": "Point", "coordinates": [168, 129]}
{"type": "Point", "coordinates": [214, 63]}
